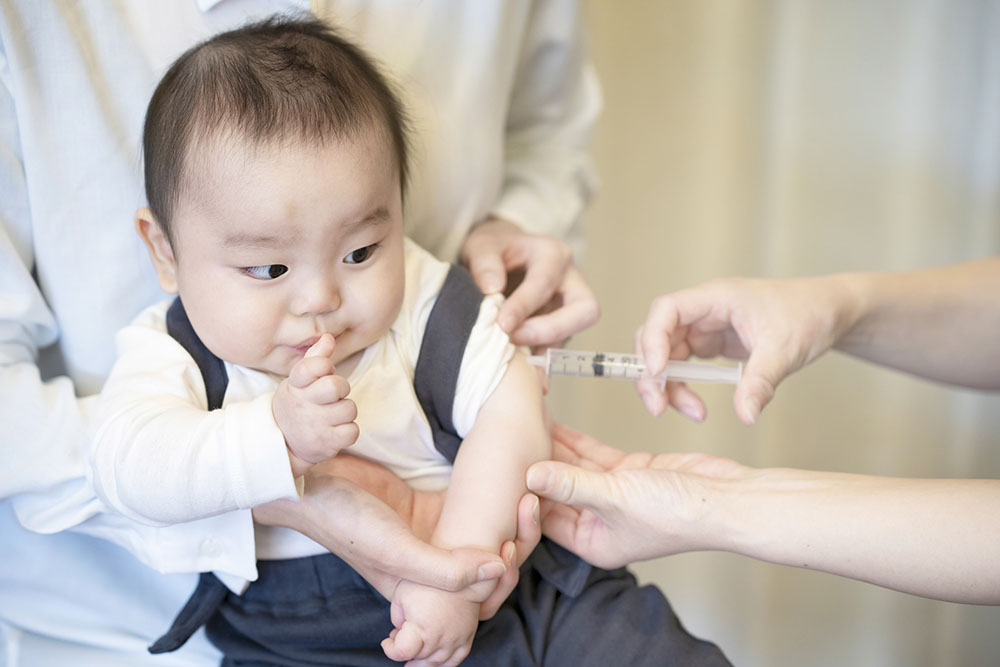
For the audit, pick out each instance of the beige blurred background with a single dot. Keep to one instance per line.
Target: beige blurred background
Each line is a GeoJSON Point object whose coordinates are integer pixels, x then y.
{"type": "Point", "coordinates": [780, 139]}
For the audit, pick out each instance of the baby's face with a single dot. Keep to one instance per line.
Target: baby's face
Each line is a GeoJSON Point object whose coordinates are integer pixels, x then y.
{"type": "Point", "coordinates": [276, 246]}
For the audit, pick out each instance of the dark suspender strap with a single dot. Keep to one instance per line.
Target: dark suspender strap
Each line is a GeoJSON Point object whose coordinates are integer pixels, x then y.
{"type": "Point", "coordinates": [205, 600]}
{"type": "Point", "coordinates": [435, 379]}
{"type": "Point", "coordinates": [210, 592]}
{"type": "Point", "coordinates": [436, 374]}
{"type": "Point", "coordinates": [213, 369]}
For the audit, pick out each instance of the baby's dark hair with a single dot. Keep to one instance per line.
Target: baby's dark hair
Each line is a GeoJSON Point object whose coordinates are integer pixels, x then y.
{"type": "Point", "coordinates": [283, 78]}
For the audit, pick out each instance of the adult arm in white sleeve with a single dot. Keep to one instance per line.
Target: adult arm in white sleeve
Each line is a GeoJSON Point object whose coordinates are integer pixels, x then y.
{"type": "Point", "coordinates": [548, 176]}
{"type": "Point", "coordinates": [532, 227]}
{"type": "Point", "coordinates": [45, 424]}
{"type": "Point", "coordinates": [43, 421]}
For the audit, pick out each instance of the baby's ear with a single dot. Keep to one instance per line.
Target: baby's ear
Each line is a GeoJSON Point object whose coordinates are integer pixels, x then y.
{"type": "Point", "coordinates": [159, 248]}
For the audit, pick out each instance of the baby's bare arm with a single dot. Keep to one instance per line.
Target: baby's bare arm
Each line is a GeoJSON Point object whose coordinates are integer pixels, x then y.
{"type": "Point", "coordinates": [509, 435]}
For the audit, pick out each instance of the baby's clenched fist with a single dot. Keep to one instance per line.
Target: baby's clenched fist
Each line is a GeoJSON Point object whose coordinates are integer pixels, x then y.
{"type": "Point", "coordinates": [312, 409]}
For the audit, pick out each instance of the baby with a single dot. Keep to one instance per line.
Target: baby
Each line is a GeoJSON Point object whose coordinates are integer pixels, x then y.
{"type": "Point", "coordinates": [275, 164]}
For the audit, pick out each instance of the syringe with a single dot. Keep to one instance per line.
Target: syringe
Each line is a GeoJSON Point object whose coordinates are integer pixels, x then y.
{"type": "Point", "coordinates": [580, 363]}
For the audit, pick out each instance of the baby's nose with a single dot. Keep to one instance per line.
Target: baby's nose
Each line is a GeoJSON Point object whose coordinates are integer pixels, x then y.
{"type": "Point", "coordinates": [319, 296]}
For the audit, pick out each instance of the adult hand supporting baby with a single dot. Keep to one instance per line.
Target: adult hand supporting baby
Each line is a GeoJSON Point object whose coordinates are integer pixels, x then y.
{"type": "Point", "coordinates": [552, 301]}
{"type": "Point", "coordinates": [350, 496]}
{"type": "Point", "coordinates": [613, 508]}
{"type": "Point", "coordinates": [928, 537]}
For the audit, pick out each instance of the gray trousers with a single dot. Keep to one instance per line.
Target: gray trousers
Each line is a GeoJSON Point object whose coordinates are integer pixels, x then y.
{"type": "Point", "coordinates": [318, 611]}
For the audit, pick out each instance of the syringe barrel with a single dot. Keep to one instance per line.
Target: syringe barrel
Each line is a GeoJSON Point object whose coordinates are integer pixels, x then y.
{"type": "Point", "coordinates": [580, 363]}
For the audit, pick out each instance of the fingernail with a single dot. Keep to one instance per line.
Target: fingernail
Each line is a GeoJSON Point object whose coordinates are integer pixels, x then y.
{"type": "Point", "coordinates": [507, 552]}
{"type": "Point", "coordinates": [492, 570]}
{"type": "Point", "coordinates": [491, 283]}
{"type": "Point", "coordinates": [692, 411]}
{"type": "Point", "coordinates": [649, 401]}
{"type": "Point", "coordinates": [535, 512]}
{"type": "Point", "coordinates": [537, 480]}
{"type": "Point", "coordinates": [506, 322]}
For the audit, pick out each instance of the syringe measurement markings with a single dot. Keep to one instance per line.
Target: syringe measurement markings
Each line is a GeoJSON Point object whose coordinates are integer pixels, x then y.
{"type": "Point", "coordinates": [629, 367]}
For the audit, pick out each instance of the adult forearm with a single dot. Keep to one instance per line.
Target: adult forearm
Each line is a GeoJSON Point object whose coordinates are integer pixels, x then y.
{"type": "Point", "coordinates": [938, 323]}
{"type": "Point", "coordinates": [932, 537]}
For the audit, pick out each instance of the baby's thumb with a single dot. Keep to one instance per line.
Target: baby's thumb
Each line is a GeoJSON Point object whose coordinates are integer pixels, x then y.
{"type": "Point", "coordinates": [323, 347]}
{"type": "Point", "coordinates": [568, 484]}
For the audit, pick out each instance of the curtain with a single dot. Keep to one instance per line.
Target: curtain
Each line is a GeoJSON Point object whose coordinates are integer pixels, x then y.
{"type": "Point", "coordinates": [783, 139]}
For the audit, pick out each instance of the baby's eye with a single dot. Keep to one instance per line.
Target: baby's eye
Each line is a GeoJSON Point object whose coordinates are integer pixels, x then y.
{"type": "Point", "coordinates": [266, 271]}
{"type": "Point", "coordinates": [361, 254]}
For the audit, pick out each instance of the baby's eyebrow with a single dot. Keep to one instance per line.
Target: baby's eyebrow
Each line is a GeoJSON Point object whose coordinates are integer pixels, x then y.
{"type": "Point", "coordinates": [377, 217]}
{"type": "Point", "coordinates": [248, 240]}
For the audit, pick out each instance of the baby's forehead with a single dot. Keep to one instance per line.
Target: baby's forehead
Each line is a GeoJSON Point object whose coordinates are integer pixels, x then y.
{"type": "Point", "coordinates": [227, 177]}
{"type": "Point", "coordinates": [226, 144]}
{"type": "Point", "coordinates": [210, 154]}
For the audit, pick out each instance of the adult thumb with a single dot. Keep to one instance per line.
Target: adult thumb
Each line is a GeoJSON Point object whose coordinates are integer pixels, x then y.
{"type": "Point", "coordinates": [568, 484]}
{"type": "Point", "coordinates": [763, 371]}
{"type": "Point", "coordinates": [488, 270]}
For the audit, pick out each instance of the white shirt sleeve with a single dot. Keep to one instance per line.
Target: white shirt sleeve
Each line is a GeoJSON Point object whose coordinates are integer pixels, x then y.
{"type": "Point", "coordinates": [548, 175]}
{"type": "Point", "coordinates": [43, 422]}
{"type": "Point", "coordinates": [45, 415]}
{"type": "Point", "coordinates": [487, 350]}
{"type": "Point", "coordinates": [484, 363]}
{"type": "Point", "coordinates": [160, 457]}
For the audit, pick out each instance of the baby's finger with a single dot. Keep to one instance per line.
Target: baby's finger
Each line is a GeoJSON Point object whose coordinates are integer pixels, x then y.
{"type": "Point", "coordinates": [343, 435]}
{"type": "Point", "coordinates": [327, 389]}
{"type": "Point", "coordinates": [448, 656]}
{"type": "Point", "coordinates": [460, 654]}
{"type": "Point", "coordinates": [323, 347]}
{"type": "Point", "coordinates": [405, 645]}
{"type": "Point", "coordinates": [307, 369]}
{"type": "Point", "coordinates": [396, 615]}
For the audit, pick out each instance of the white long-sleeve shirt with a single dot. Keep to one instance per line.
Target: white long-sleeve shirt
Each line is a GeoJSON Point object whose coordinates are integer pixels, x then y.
{"type": "Point", "coordinates": [502, 102]}
{"type": "Point", "coordinates": [161, 458]}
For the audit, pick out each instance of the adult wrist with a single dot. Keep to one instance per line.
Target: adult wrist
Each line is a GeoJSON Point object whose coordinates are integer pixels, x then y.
{"type": "Point", "coordinates": [749, 510]}
{"type": "Point", "coordinates": [853, 299]}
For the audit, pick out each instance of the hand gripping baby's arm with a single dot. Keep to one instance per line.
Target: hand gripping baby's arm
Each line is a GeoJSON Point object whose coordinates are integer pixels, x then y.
{"type": "Point", "coordinates": [480, 509]}
{"type": "Point", "coordinates": [312, 409]}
